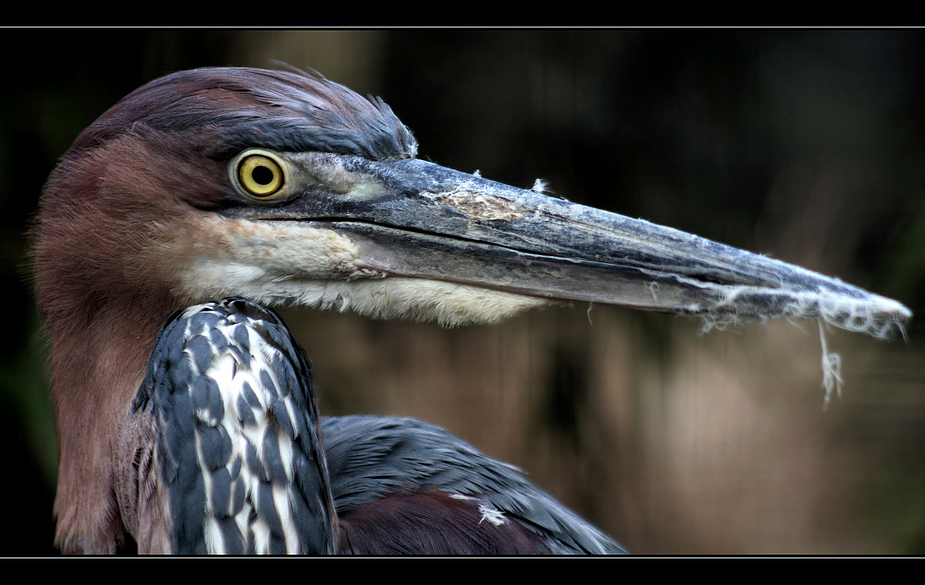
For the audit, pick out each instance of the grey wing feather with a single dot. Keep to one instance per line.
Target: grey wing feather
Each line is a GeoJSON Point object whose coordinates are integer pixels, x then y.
{"type": "Point", "coordinates": [370, 457]}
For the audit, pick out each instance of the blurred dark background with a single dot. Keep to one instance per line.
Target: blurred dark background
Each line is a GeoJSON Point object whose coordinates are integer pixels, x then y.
{"type": "Point", "coordinates": [807, 145]}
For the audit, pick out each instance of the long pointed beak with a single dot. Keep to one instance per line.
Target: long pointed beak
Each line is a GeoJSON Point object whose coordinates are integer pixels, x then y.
{"type": "Point", "coordinates": [416, 219]}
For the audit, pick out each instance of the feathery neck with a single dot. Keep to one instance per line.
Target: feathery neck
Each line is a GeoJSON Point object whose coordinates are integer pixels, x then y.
{"type": "Point", "coordinates": [103, 300]}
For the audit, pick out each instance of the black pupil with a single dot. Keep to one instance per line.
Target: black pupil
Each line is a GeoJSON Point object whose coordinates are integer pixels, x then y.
{"type": "Point", "coordinates": [262, 175]}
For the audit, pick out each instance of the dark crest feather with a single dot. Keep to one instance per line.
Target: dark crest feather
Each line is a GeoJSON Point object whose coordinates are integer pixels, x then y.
{"type": "Point", "coordinates": [285, 110]}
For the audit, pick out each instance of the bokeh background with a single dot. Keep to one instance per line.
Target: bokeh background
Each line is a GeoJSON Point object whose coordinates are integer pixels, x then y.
{"type": "Point", "coordinates": [807, 145]}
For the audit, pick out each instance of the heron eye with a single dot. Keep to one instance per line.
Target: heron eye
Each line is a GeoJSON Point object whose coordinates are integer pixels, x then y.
{"type": "Point", "coordinates": [259, 175]}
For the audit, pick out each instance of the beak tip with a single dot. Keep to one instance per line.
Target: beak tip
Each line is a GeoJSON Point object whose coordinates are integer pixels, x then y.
{"type": "Point", "coordinates": [877, 316]}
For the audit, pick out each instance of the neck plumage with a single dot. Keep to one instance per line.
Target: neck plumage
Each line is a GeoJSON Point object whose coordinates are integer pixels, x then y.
{"type": "Point", "coordinates": [102, 310]}
{"type": "Point", "coordinates": [96, 372]}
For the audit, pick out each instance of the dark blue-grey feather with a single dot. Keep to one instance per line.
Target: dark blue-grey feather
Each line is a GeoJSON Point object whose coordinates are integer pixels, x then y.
{"type": "Point", "coordinates": [188, 404]}
{"type": "Point", "coordinates": [365, 459]}
{"type": "Point", "coordinates": [371, 457]}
